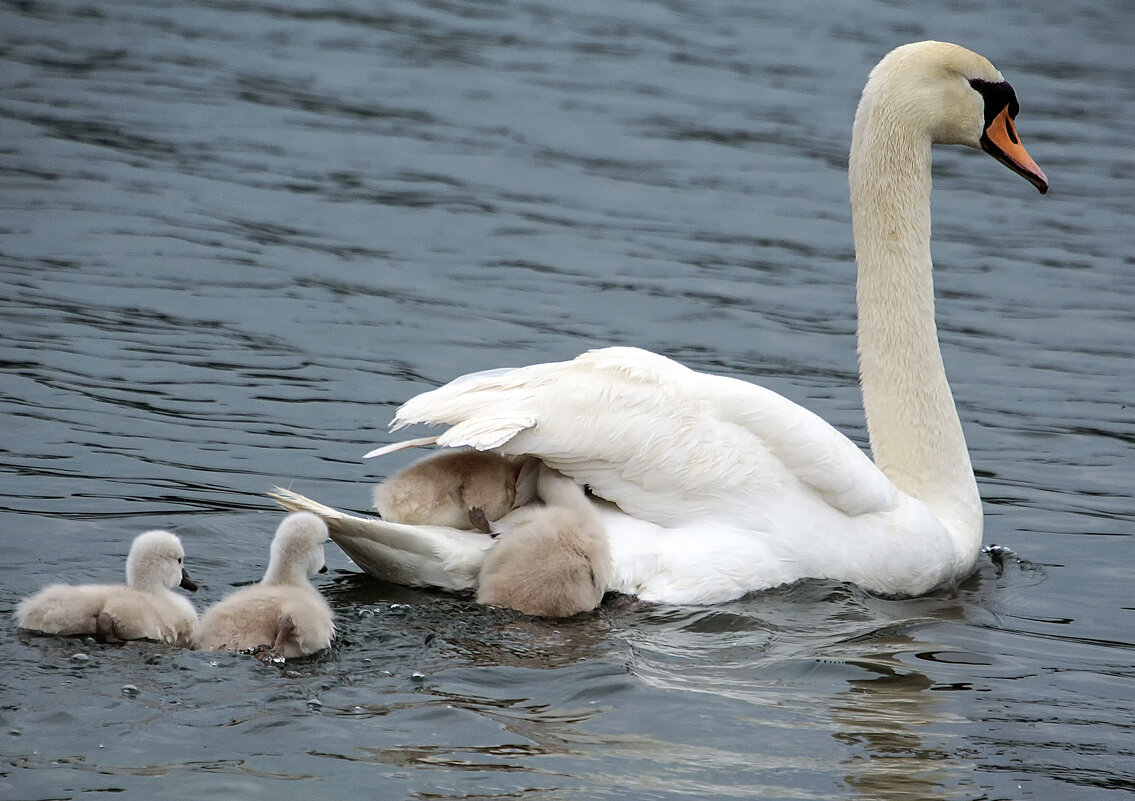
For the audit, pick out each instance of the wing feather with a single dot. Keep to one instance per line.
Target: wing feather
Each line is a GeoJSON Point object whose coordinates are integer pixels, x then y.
{"type": "Point", "coordinates": [665, 443]}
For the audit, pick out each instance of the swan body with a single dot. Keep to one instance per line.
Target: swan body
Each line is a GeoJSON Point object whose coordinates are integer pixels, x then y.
{"type": "Point", "coordinates": [549, 560]}
{"type": "Point", "coordinates": [768, 494]}
{"type": "Point", "coordinates": [145, 608]}
{"type": "Point", "coordinates": [714, 487]}
{"type": "Point", "coordinates": [283, 612]}
{"type": "Point", "coordinates": [461, 488]}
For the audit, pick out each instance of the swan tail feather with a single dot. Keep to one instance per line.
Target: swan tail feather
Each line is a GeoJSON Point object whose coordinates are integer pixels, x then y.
{"type": "Point", "coordinates": [416, 556]}
{"type": "Point", "coordinates": [420, 442]}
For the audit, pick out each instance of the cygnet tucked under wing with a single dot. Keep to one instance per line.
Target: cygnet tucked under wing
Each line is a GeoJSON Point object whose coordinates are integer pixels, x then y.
{"type": "Point", "coordinates": [456, 488]}
{"type": "Point", "coordinates": [551, 560]}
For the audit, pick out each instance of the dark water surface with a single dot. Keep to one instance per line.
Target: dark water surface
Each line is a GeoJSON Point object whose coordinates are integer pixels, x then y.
{"type": "Point", "coordinates": [235, 235]}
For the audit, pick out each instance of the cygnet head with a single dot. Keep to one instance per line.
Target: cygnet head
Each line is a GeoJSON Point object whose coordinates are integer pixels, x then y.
{"type": "Point", "coordinates": [156, 562]}
{"type": "Point", "coordinates": [297, 549]}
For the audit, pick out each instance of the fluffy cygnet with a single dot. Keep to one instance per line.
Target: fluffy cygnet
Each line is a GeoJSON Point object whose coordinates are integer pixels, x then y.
{"type": "Point", "coordinates": [461, 488]}
{"type": "Point", "coordinates": [144, 608]}
{"type": "Point", "coordinates": [551, 560]}
{"type": "Point", "coordinates": [283, 612]}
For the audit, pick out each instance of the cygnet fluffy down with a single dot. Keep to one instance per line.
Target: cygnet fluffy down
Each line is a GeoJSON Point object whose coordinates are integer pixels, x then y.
{"type": "Point", "coordinates": [144, 608]}
{"type": "Point", "coordinates": [283, 612]}
{"type": "Point", "coordinates": [461, 488]}
{"type": "Point", "coordinates": [551, 560]}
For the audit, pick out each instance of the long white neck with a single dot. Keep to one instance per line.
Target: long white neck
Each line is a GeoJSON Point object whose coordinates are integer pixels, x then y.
{"type": "Point", "coordinates": [283, 572]}
{"type": "Point", "coordinates": [916, 437]}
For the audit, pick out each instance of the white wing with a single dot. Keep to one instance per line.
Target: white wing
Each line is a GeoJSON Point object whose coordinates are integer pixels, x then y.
{"type": "Point", "coordinates": [668, 445]}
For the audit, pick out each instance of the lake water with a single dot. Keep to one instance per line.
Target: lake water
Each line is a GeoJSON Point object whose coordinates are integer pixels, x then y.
{"type": "Point", "coordinates": [235, 235]}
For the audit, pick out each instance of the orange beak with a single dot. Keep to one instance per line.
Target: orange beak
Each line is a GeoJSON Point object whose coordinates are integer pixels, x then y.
{"type": "Point", "coordinates": [1000, 141]}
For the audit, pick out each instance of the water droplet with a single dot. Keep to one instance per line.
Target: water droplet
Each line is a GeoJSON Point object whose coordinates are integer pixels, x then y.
{"type": "Point", "coordinates": [130, 691]}
{"type": "Point", "coordinates": [416, 676]}
{"type": "Point", "coordinates": [314, 704]}
{"type": "Point", "coordinates": [80, 659]}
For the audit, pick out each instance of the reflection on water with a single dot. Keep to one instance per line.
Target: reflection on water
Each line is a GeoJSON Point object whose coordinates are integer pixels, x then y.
{"type": "Point", "coordinates": [885, 715]}
{"type": "Point", "coordinates": [882, 720]}
{"type": "Point", "coordinates": [234, 236]}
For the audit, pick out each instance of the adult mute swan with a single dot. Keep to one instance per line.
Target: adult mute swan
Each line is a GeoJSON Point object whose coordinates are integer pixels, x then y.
{"type": "Point", "coordinates": [144, 608]}
{"type": "Point", "coordinates": [282, 612]}
{"type": "Point", "coordinates": [717, 487]}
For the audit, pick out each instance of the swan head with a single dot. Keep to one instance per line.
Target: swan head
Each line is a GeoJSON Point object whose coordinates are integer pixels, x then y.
{"type": "Point", "coordinates": [949, 95]}
{"type": "Point", "coordinates": [157, 561]}
{"type": "Point", "coordinates": [297, 547]}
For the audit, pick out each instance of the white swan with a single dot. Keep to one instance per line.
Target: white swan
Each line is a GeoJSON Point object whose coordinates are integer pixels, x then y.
{"type": "Point", "coordinates": [283, 612]}
{"type": "Point", "coordinates": [550, 560]}
{"type": "Point", "coordinates": [144, 608]}
{"type": "Point", "coordinates": [719, 487]}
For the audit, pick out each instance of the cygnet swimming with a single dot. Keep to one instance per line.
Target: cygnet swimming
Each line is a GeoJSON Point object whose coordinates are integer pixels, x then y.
{"type": "Point", "coordinates": [552, 560]}
{"type": "Point", "coordinates": [144, 608]}
{"type": "Point", "coordinates": [283, 612]}
{"type": "Point", "coordinates": [461, 488]}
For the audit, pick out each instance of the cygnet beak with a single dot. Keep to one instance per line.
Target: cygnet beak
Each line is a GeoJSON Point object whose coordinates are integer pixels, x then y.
{"type": "Point", "coordinates": [186, 582]}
